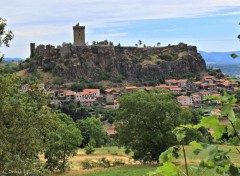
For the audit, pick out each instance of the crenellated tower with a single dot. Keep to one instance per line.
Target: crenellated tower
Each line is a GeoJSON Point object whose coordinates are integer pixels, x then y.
{"type": "Point", "coordinates": [79, 35]}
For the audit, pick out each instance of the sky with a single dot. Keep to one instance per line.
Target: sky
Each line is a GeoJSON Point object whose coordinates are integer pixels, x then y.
{"type": "Point", "coordinates": [211, 25]}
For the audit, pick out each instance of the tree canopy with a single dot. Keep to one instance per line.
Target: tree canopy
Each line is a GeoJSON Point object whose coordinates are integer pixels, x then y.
{"type": "Point", "coordinates": [5, 36]}
{"type": "Point", "coordinates": [145, 121]}
{"type": "Point", "coordinates": [63, 143]}
{"type": "Point", "coordinates": [92, 131]}
{"type": "Point", "coordinates": [29, 128]}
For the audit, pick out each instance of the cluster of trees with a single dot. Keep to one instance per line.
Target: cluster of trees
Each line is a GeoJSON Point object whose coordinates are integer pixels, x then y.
{"type": "Point", "coordinates": [78, 112]}
{"type": "Point", "coordinates": [29, 128]}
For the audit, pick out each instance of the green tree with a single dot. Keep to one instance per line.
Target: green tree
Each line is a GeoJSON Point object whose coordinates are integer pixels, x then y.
{"type": "Point", "coordinates": [5, 36]}
{"type": "Point", "coordinates": [92, 131]}
{"type": "Point", "coordinates": [58, 80]}
{"type": "Point", "coordinates": [144, 123]}
{"type": "Point", "coordinates": [217, 159]}
{"type": "Point", "coordinates": [158, 44]}
{"type": "Point", "coordinates": [63, 143]}
{"type": "Point", "coordinates": [24, 124]}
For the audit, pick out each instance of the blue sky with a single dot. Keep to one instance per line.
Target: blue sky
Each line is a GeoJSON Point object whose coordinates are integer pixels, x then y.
{"type": "Point", "coordinates": [211, 25]}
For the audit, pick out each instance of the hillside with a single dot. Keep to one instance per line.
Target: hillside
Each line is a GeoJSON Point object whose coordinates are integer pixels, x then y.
{"type": "Point", "coordinates": [132, 64]}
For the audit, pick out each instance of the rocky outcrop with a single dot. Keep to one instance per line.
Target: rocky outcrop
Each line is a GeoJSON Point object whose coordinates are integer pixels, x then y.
{"type": "Point", "coordinates": [133, 64]}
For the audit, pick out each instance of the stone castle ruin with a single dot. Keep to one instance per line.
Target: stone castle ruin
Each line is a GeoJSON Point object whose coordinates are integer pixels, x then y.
{"type": "Point", "coordinates": [79, 35]}
{"type": "Point", "coordinates": [78, 40]}
{"type": "Point", "coordinates": [104, 61]}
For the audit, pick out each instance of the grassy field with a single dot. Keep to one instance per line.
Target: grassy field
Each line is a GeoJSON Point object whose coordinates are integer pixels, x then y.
{"type": "Point", "coordinates": [134, 168]}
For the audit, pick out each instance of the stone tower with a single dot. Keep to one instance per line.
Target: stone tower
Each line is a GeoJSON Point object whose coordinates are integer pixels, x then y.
{"type": "Point", "coordinates": [79, 35]}
{"type": "Point", "coordinates": [32, 49]}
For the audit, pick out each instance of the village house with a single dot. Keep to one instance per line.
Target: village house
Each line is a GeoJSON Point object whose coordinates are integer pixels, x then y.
{"type": "Point", "coordinates": [208, 79]}
{"type": "Point", "coordinates": [26, 87]}
{"type": "Point", "coordinates": [204, 86]}
{"type": "Point", "coordinates": [111, 95]}
{"type": "Point", "coordinates": [171, 82]}
{"type": "Point", "coordinates": [196, 98]}
{"type": "Point", "coordinates": [78, 97]}
{"type": "Point", "coordinates": [87, 102]}
{"type": "Point", "coordinates": [95, 92]}
{"type": "Point", "coordinates": [204, 94]}
{"type": "Point", "coordinates": [175, 90]}
{"type": "Point", "coordinates": [184, 100]}
{"type": "Point", "coordinates": [196, 85]}
{"type": "Point", "coordinates": [233, 85]}
{"type": "Point", "coordinates": [130, 89]}
{"type": "Point", "coordinates": [162, 86]}
{"type": "Point", "coordinates": [183, 83]}
{"type": "Point", "coordinates": [70, 95]}
{"type": "Point", "coordinates": [212, 86]}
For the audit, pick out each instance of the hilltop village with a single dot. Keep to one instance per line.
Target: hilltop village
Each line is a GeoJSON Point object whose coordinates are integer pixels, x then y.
{"type": "Point", "coordinates": [188, 94]}
{"type": "Point", "coordinates": [103, 61]}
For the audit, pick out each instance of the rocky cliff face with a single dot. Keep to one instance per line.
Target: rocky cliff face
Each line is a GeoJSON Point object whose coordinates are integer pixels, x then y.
{"type": "Point", "coordinates": [135, 65]}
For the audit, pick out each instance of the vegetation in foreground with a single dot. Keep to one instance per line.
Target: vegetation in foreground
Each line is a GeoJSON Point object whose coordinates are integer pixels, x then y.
{"type": "Point", "coordinates": [113, 153]}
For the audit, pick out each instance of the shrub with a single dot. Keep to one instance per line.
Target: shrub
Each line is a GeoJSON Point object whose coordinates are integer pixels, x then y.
{"type": "Point", "coordinates": [89, 149]}
{"type": "Point", "coordinates": [58, 80]}
{"type": "Point", "coordinates": [48, 67]}
{"type": "Point", "coordinates": [118, 162]}
{"type": "Point", "coordinates": [167, 57]}
{"type": "Point", "coordinates": [103, 162]}
{"type": "Point", "coordinates": [88, 164]}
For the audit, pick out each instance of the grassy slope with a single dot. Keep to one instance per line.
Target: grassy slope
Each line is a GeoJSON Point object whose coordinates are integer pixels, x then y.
{"type": "Point", "coordinates": [135, 169]}
{"type": "Point", "coordinates": [45, 76]}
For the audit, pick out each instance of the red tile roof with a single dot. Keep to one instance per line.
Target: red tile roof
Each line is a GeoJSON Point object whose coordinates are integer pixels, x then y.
{"type": "Point", "coordinates": [69, 92]}
{"type": "Point", "coordinates": [161, 86]}
{"type": "Point", "coordinates": [111, 132]}
{"type": "Point", "coordinates": [182, 97]}
{"type": "Point", "coordinates": [91, 90]}
{"type": "Point", "coordinates": [198, 82]}
{"type": "Point", "coordinates": [175, 88]}
{"type": "Point", "coordinates": [171, 81]}
{"type": "Point", "coordinates": [205, 93]}
{"type": "Point", "coordinates": [182, 80]}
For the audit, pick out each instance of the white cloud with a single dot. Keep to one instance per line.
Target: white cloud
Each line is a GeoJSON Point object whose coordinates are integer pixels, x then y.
{"type": "Point", "coordinates": [52, 20]}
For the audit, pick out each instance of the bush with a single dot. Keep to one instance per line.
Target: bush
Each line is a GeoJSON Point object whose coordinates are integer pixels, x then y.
{"type": "Point", "coordinates": [89, 149]}
{"type": "Point", "coordinates": [58, 80]}
{"type": "Point", "coordinates": [103, 162]}
{"type": "Point", "coordinates": [167, 57]}
{"type": "Point", "coordinates": [48, 67]}
{"type": "Point", "coordinates": [88, 164]}
{"type": "Point", "coordinates": [118, 162]}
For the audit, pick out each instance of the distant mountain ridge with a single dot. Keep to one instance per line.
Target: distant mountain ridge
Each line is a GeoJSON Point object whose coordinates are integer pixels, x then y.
{"type": "Point", "coordinates": [9, 59]}
{"type": "Point", "coordinates": [219, 57]}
